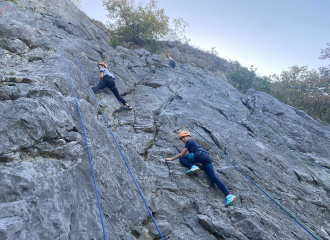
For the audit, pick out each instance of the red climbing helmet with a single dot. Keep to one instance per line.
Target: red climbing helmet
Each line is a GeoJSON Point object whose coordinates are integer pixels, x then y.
{"type": "Point", "coordinates": [183, 134]}
{"type": "Point", "coordinates": [103, 64]}
{"type": "Point", "coordinates": [167, 54]}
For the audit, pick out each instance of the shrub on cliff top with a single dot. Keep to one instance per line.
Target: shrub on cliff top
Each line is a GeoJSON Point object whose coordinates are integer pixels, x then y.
{"type": "Point", "coordinates": [136, 23]}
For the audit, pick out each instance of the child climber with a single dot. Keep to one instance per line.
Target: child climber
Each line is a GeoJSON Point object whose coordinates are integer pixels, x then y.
{"type": "Point", "coordinates": [170, 61]}
{"type": "Point", "coordinates": [199, 155]}
{"type": "Point", "coordinates": [107, 79]}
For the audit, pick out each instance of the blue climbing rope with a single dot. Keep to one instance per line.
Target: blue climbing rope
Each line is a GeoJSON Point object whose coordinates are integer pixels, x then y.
{"type": "Point", "coordinates": [83, 127]}
{"type": "Point", "coordinates": [136, 184]}
{"type": "Point", "coordinates": [282, 140]}
{"type": "Point", "coordinates": [279, 138]}
{"type": "Point", "coordinates": [278, 204]}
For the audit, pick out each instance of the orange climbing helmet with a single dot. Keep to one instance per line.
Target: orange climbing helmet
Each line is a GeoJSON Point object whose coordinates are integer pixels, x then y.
{"type": "Point", "coordinates": [183, 134]}
{"type": "Point", "coordinates": [103, 64]}
{"type": "Point", "coordinates": [167, 54]}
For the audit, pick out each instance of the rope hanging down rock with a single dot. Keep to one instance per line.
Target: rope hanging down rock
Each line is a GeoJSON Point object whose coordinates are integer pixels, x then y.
{"type": "Point", "coordinates": [280, 138]}
{"type": "Point", "coordinates": [136, 184]}
{"type": "Point", "coordinates": [268, 195]}
{"type": "Point", "coordinates": [83, 127]}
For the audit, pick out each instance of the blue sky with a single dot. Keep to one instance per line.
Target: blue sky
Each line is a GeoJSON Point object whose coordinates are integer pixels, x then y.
{"type": "Point", "coordinates": [271, 35]}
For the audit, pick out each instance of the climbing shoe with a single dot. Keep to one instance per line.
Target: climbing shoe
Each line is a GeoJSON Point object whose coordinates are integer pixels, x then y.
{"type": "Point", "coordinates": [230, 199]}
{"type": "Point", "coordinates": [128, 107]}
{"type": "Point", "coordinates": [194, 169]}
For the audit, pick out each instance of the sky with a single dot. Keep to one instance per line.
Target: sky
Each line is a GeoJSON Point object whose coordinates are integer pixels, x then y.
{"type": "Point", "coordinates": [270, 35]}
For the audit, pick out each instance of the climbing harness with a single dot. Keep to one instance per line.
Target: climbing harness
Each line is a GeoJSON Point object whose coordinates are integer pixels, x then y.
{"type": "Point", "coordinates": [191, 156]}
{"type": "Point", "coordinates": [83, 127]}
{"type": "Point", "coordinates": [269, 196]}
{"type": "Point", "coordinates": [136, 184]}
{"type": "Point", "coordinates": [289, 146]}
{"type": "Point", "coordinates": [202, 150]}
{"type": "Point", "coordinates": [4, 9]}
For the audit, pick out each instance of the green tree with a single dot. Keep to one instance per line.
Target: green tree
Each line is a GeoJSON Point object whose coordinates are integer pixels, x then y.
{"type": "Point", "coordinates": [243, 78]}
{"type": "Point", "coordinates": [325, 53]}
{"type": "Point", "coordinates": [308, 90]}
{"type": "Point", "coordinates": [177, 32]}
{"type": "Point", "coordinates": [136, 23]}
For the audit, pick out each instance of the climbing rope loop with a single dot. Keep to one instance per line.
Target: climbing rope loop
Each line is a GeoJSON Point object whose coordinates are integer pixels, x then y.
{"type": "Point", "coordinates": [268, 195]}
{"type": "Point", "coordinates": [83, 127]}
{"type": "Point", "coordinates": [136, 184]}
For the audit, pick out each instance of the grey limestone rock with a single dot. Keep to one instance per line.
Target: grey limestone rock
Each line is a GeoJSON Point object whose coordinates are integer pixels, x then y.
{"type": "Point", "coordinates": [47, 190]}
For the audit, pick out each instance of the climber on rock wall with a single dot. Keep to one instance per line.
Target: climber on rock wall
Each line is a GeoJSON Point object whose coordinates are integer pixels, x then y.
{"type": "Point", "coordinates": [170, 61]}
{"type": "Point", "coordinates": [107, 79]}
{"type": "Point", "coordinates": [199, 155]}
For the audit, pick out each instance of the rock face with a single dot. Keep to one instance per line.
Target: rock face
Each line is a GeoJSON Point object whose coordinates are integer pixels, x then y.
{"type": "Point", "coordinates": [47, 190]}
{"type": "Point", "coordinates": [196, 57]}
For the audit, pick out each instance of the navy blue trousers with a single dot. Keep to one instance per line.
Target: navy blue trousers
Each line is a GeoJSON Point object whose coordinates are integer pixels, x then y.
{"type": "Point", "coordinates": [109, 83]}
{"type": "Point", "coordinates": [205, 159]}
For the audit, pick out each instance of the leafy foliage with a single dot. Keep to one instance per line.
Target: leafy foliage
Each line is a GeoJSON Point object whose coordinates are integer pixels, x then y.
{"type": "Point", "coordinates": [325, 53]}
{"type": "Point", "coordinates": [138, 24]}
{"type": "Point", "coordinates": [177, 32]}
{"type": "Point", "coordinates": [152, 46]}
{"type": "Point", "coordinates": [14, 1]}
{"type": "Point", "coordinates": [243, 78]}
{"type": "Point", "coordinates": [308, 90]}
{"type": "Point", "coordinates": [305, 90]}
